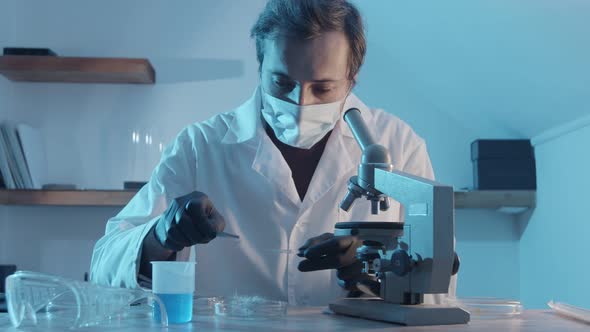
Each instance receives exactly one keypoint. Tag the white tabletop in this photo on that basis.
(312, 319)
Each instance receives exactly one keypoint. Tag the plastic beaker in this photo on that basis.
(174, 284)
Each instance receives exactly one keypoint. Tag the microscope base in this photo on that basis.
(412, 315)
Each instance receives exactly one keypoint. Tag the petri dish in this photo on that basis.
(205, 306)
(250, 307)
(488, 307)
(570, 311)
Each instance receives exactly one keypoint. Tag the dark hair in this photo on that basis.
(308, 19)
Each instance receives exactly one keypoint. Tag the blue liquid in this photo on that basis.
(179, 308)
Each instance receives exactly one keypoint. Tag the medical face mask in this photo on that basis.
(297, 125)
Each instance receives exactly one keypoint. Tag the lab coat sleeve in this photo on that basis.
(116, 254)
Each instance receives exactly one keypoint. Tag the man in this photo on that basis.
(272, 171)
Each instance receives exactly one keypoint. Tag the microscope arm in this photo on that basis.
(374, 156)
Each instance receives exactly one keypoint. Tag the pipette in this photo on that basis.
(224, 234)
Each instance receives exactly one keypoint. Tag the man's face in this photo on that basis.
(307, 72)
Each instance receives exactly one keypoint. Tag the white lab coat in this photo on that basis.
(231, 159)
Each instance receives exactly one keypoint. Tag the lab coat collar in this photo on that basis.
(247, 122)
(341, 154)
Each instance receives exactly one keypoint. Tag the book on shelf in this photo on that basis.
(23, 163)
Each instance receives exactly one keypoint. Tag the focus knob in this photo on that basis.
(401, 262)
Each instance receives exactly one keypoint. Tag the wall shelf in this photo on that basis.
(492, 199)
(29, 68)
(509, 200)
(66, 197)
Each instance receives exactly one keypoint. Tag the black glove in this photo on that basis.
(328, 252)
(189, 220)
(334, 252)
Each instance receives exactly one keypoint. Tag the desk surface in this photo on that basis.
(312, 319)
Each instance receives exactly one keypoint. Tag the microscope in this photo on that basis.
(405, 259)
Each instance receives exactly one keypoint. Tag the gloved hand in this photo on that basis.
(189, 220)
(334, 252)
(328, 252)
